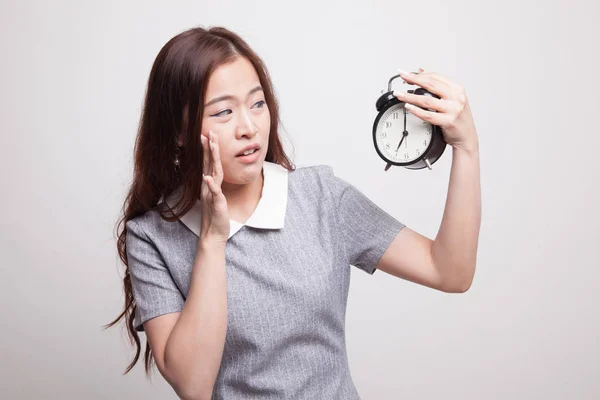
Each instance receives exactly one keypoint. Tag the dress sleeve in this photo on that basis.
(154, 290)
(365, 229)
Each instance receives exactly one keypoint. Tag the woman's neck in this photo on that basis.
(242, 200)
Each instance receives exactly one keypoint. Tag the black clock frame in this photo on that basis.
(436, 146)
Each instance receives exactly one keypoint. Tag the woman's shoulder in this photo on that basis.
(312, 182)
(151, 222)
(318, 177)
(311, 168)
(314, 173)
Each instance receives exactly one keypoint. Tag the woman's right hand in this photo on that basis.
(214, 214)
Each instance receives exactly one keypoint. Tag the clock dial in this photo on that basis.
(389, 133)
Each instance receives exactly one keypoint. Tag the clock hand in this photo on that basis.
(401, 140)
(404, 109)
(405, 133)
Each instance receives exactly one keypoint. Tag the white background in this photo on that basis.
(73, 76)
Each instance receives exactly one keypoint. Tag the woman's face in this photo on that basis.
(236, 111)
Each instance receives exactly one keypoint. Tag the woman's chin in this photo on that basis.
(242, 174)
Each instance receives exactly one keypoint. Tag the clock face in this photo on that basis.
(389, 133)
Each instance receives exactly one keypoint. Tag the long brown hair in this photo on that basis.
(174, 106)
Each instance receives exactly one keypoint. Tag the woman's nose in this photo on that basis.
(246, 125)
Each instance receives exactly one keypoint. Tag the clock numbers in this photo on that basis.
(390, 134)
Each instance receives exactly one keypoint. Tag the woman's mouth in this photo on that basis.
(248, 157)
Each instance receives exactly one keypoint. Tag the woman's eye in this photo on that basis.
(220, 114)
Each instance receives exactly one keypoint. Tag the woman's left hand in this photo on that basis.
(453, 114)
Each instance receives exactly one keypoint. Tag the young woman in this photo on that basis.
(237, 262)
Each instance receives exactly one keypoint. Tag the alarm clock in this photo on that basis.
(403, 139)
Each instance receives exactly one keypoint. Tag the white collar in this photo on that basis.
(269, 213)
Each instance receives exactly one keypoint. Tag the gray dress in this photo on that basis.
(288, 273)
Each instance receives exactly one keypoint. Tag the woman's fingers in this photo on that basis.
(205, 156)
(213, 186)
(209, 183)
(212, 169)
(426, 102)
(204, 189)
(211, 150)
(217, 166)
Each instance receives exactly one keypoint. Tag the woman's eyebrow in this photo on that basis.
(229, 97)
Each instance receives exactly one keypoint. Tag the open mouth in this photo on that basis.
(247, 153)
(249, 157)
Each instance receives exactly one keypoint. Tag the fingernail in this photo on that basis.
(409, 106)
(398, 94)
(402, 72)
